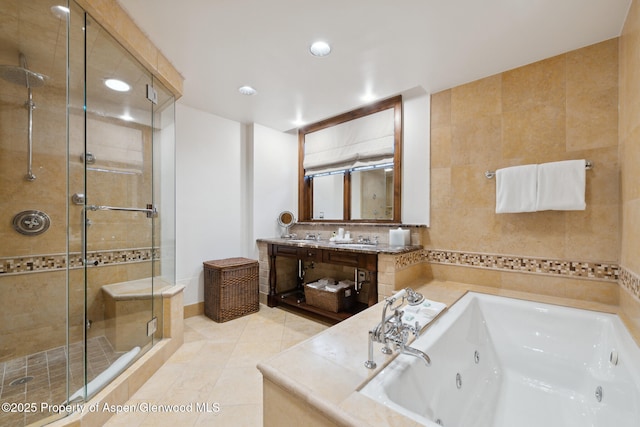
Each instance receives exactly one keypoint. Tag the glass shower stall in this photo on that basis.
(86, 208)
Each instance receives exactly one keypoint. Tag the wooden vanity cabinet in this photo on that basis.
(358, 260)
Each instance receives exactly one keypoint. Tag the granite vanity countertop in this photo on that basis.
(327, 370)
(351, 247)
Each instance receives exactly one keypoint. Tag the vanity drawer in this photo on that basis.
(351, 259)
(310, 254)
(286, 251)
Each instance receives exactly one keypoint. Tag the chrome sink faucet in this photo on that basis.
(367, 240)
(392, 330)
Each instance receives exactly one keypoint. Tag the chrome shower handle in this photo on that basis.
(150, 210)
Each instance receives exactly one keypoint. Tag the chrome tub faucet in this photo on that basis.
(393, 331)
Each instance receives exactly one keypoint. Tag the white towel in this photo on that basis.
(516, 189)
(316, 285)
(561, 186)
(346, 284)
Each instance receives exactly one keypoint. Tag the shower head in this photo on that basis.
(22, 75)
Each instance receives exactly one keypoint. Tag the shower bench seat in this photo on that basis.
(127, 309)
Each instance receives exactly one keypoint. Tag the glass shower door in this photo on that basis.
(116, 209)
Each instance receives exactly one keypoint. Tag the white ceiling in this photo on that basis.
(383, 47)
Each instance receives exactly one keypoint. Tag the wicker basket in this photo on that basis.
(230, 288)
(341, 300)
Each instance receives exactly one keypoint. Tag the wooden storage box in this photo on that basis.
(342, 300)
(230, 288)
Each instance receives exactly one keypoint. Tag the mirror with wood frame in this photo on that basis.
(349, 166)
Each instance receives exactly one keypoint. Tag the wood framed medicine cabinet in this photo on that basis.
(351, 186)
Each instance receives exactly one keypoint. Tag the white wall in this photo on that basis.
(208, 195)
(275, 181)
(164, 153)
(232, 181)
(416, 159)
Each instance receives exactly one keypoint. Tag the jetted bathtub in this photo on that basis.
(502, 362)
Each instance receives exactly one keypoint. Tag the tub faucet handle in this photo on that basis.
(415, 329)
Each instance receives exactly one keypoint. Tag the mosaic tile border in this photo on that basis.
(575, 269)
(630, 281)
(57, 262)
(410, 258)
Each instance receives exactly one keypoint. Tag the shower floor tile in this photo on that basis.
(42, 377)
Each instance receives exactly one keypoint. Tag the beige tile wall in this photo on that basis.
(629, 152)
(33, 306)
(561, 108)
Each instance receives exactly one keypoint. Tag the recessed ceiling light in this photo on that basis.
(247, 90)
(60, 11)
(368, 97)
(320, 48)
(117, 85)
(127, 117)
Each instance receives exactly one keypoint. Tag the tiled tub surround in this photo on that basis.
(315, 383)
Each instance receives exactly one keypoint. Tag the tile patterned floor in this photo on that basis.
(42, 377)
(216, 368)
